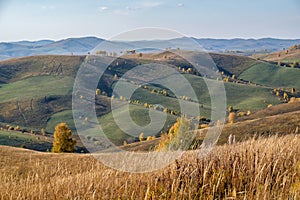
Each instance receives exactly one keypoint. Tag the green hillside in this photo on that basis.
(34, 87)
(111, 130)
(62, 116)
(20, 68)
(17, 139)
(272, 75)
(233, 64)
(240, 96)
(36, 91)
(139, 116)
(230, 64)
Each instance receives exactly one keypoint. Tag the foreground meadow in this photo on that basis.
(267, 168)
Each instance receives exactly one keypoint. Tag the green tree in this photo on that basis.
(62, 139)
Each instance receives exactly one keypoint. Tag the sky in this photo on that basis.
(59, 19)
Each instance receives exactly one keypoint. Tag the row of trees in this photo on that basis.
(284, 94)
(291, 65)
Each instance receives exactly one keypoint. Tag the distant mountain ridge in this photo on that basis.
(84, 45)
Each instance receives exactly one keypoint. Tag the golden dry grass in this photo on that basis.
(257, 169)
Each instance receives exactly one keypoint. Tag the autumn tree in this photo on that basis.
(98, 91)
(43, 132)
(285, 96)
(231, 117)
(293, 90)
(178, 137)
(115, 77)
(141, 137)
(164, 92)
(62, 139)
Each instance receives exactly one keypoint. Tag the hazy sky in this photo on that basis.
(57, 19)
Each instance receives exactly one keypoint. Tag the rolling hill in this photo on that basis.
(272, 75)
(79, 46)
(278, 120)
(35, 91)
(283, 56)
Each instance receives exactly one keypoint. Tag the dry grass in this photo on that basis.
(256, 169)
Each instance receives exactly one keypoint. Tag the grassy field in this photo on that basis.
(263, 164)
(231, 64)
(280, 120)
(31, 79)
(17, 139)
(244, 97)
(257, 169)
(50, 65)
(139, 116)
(34, 87)
(273, 76)
(65, 116)
(243, 130)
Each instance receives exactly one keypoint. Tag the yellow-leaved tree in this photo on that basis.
(179, 136)
(62, 139)
(231, 117)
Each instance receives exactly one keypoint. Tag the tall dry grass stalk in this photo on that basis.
(257, 169)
